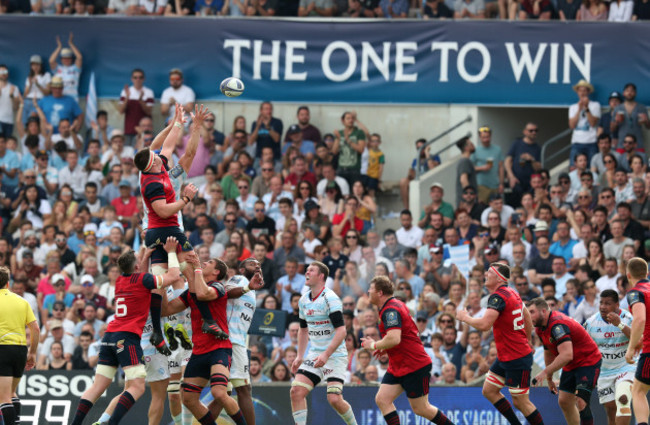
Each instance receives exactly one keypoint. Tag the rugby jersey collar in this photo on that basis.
(316, 297)
(387, 301)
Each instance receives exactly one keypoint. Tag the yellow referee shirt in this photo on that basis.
(15, 314)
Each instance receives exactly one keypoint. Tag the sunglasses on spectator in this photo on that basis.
(138, 77)
(209, 120)
(532, 130)
(58, 309)
(242, 187)
(484, 130)
(348, 303)
(421, 320)
(267, 169)
(447, 321)
(59, 240)
(87, 284)
(259, 209)
(230, 221)
(351, 237)
(89, 233)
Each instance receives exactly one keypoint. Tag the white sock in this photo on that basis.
(187, 416)
(300, 417)
(178, 419)
(348, 417)
(105, 417)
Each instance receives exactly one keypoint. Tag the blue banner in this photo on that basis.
(475, 62)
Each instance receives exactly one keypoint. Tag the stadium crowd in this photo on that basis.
(565, 10)
(70, 205)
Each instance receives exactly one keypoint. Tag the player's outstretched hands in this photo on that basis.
(193, 260)
(257, 281)
(296, 364)
(613, 318)
(190, 191)
(462, 315)
(321, 360)
(367, 343)
(198, 116)
(171, 244)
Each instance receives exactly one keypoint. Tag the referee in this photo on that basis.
(15, 314)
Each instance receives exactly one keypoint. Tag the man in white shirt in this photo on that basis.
(608, 280)
(73, 175)
(329, 175)
(117, 151)
(176, 93)
(136, 102)
(580, 249)
(375, 241)
(67, 134)
(583, 119)
(409, 235)
(560, 275)
(496, 204)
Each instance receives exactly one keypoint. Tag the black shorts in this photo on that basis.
(200, 365)
(158, 236)
(516, 373)
(415, 384)
(580, 379)
(120, 349)
(643, 369)
(13, 359)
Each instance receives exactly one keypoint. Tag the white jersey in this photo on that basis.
(316, 313)
(147, 348)
(177, 176)
(239, 311)
(611, 342)
(184, 317)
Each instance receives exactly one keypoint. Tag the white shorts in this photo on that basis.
(157, 367)
(335, 367)
(178, 360)
(607, 386)
(239, 365)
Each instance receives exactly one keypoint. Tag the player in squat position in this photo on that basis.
(321, 322)
(121, 342)
(512, 328)
(638, 298)
(567, 346)
(409, 366)
(210, 360)
(610, 329)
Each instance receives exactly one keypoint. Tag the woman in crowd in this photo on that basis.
(31, 208)
(352, 345)
(57, 361)
(466, 229)
(210, 173)
(266, 240)
(58, 218)
(37, 86)
(411, 302)
(314, 216)
(287, 161)
(611, 164)
(239, 123)
(572, 298)
(280, 373)
(367, 205)
(527, 210)
(576, 219)
(592, 10)
(348, 281)
(363, 359)
(245, 199)
(628, 252)
(352, 245)
(216, 204)
(237, 237)
(638, 168)
(495, 231)
(303, 192)
(595, 256)
(75, 270)
(332, 202)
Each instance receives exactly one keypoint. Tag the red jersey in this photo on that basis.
(509, 328)
(203, 342)
(155, 186)
(561, 328)
(131, 311)
(641, 294)
(338, 219)
(293, 179)
(409, 355)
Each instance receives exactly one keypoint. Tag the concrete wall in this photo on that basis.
(398, 125)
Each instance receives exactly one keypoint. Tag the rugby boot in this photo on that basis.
(212, 328)
(169, 331)
(158, 341)
(183, 337)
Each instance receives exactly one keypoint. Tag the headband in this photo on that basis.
(152, 156)
(502, 277)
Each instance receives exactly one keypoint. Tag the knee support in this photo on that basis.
(191, 388)
(174, 387)
(335, 388)
(236, 383)
(518, 391)
(623, 398)
(107, 371)
(302, 384)
(219, 379)
(585, 415)
(135, 372)
(585, 395)
(496, 380)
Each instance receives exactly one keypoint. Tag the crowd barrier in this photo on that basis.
(346, 61)
(51, 397)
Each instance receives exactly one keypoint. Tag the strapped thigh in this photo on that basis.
(191, 388)
(218, 379)
(496, 380)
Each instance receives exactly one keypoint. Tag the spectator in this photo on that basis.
(393, 9)
(583, 119)
(597, 163)
(473, 9)
(434, 9)
(256, 371)
(621, 11)
(488, 164)
(73, 175)
(523, 159)
(123, 7)
(589, 305)
(541, 264)
(454, 350)
(177, 92)
(614, 247)
(640, 206)
(9, 100)
(535, 9)
(136, 102)
(271, 199)
(126, 204)
(630, 115)
(437, 193)
(262, 8)
(55, 360)
(348, 219)
(630, 146)
(80, 358)
(9, 163)
(69, 70)
(631, 228)
(299, 174)
(497, 205)
(288, 249)
(267, 130)
(184, 8)
(349, 144)
(423, 162)
(604, 126)
(592, 10)
(563, 247)
(54, 332)
(568, 10)
(641, 11)
(58, 106)
(211, 8)
(291, 282)
(112, 190)
(610, 278)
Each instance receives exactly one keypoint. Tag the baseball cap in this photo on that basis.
(55, 324)
(176, 71)
(495, 196)
(491, 249)
(28, 253)
(116, 133)
(616, 95)
(421, 315)
(313, 227)
(41, 154)
(540, 226)
(35, 59)
(437, 184)
(56, 81)
(564, 176)
(115, 248)
(294, 129)
(29, 233)
(66, 53)
(125, 183)
(433, 297)
(310, 205)
(57, 277)
(87, 280)
(435, 248)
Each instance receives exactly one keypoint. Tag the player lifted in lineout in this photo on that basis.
(211, 357)
(159, 198)
(610, 329)
(121, 342)
(409, 366)
(512, 327)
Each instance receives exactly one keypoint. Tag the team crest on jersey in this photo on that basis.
(120, 346)
(392, 319)
(310, 312)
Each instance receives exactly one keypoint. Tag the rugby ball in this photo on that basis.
(232, 87)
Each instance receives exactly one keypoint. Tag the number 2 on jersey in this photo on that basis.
(518, 321)
(120, 308)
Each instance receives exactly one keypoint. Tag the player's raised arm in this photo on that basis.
(480, 323)
(160, 138)
(175, 133)
(173, 269)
